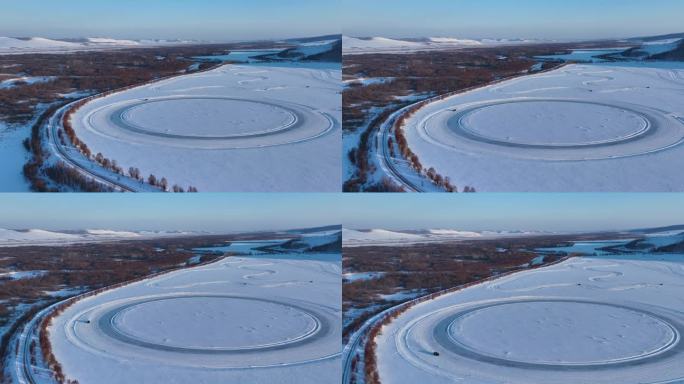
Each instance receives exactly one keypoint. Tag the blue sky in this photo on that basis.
(256, 211)
(221, 20)
(204, 211)
(553, 19)
(526, 211)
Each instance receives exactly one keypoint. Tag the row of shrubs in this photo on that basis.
(401, 142)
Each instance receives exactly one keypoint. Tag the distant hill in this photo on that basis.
(658, 37)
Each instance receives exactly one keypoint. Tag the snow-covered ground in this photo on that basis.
(14, 156)
(384, 237)
(583, 127)
(40, 237)
(256, 318)
(257, 127)
(612, 318)
(11, 45)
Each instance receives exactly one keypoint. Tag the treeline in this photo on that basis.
(62, 174)
(59, 173)
(359, 157)
(34, 146)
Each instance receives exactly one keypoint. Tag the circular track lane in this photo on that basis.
(447, 129)
(305, 124)
(94, 329)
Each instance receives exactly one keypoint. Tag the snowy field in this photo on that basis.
(597, 319)
(255, 318)
(258, 127)
(589, 127)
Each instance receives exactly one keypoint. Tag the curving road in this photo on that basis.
(23, 367)
(387, 163)
(76, 160)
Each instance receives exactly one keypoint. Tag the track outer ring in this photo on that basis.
(287, 136)
(462, 130)
(118, 118)
(274, 356)
(442, 329)
(438, 135)
(106, 323)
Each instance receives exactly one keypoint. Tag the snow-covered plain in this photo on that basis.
(255, 318)
(257, 127)
(612, 318)
(588, 127)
